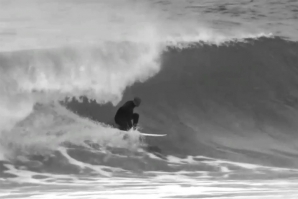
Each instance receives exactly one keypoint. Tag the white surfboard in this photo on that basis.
(144, 134)
(153, 135)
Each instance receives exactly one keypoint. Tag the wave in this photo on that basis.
(236, 101)
(223, 89)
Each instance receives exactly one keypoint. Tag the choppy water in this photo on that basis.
(219, 77)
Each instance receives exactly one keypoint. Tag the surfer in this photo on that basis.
(125, 118)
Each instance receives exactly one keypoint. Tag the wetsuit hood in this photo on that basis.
(137, 101)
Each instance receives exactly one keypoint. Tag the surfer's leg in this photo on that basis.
(122, 125)
(135, 119)
(123, 128)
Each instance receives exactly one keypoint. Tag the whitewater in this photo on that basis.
(219, 77)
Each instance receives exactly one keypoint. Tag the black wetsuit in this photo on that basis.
(125, 117)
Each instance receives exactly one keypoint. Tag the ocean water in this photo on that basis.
(219, 77)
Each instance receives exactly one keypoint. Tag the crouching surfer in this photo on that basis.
(125, 118)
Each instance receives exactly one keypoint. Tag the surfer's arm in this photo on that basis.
(125, 112)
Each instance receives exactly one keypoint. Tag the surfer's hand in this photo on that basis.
(134, 127)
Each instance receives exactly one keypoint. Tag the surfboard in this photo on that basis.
(112, 124)
(153, 135)
(146, 134)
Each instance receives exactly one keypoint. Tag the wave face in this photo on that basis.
(240, 98)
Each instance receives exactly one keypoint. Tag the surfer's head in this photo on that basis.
(137, 101)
